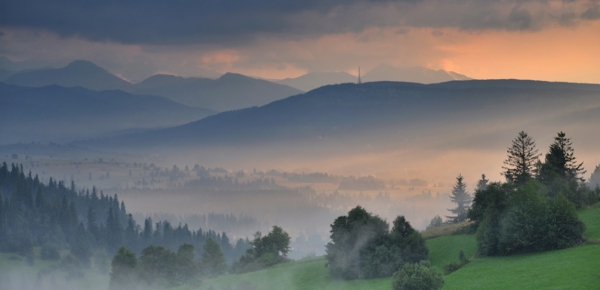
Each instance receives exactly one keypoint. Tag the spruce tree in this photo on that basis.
(561, 160)
(522, 157)
(462, 199)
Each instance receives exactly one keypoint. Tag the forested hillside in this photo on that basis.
(54, 216)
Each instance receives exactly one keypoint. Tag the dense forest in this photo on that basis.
(56, 217)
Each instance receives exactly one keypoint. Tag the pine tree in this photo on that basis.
(561, 160)
(92, 224)
(522, 157)
(462, 199)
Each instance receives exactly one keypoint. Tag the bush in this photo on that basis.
(530, 222)
(417, 276)
(266, 251)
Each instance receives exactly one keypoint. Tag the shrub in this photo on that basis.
(417, 276)
(530, 222)
(266, 251)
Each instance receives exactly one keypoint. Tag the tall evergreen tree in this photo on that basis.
(522, 157)
(462, 199)
(92, 224)
(561, 159)
(80, 246)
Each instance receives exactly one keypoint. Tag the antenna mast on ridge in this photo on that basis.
(359, 82)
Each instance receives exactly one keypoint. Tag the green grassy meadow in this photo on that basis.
(573, 268)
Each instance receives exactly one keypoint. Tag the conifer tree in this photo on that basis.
(522, 157)
(462, 199)
(561, 160)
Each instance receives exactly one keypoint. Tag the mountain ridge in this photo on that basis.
(55, 113)
(338, 111)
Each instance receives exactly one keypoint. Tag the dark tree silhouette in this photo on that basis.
(482, 184)
(561, 160)
(462, 199)
(522, 157)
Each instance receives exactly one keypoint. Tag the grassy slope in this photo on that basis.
(444, 250)
(574, 268)
(305, 274)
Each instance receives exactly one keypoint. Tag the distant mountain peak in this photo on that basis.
(233, 76)
(416, 74)
(84, 65)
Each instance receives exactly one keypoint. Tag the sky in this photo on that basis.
(483, 39)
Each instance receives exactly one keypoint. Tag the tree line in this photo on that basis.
(535, 209)
(54, 217)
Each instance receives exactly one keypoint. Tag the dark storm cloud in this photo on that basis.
(230, 21)
(160, 21)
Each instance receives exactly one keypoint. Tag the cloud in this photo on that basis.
(591, 13)
(239, 22)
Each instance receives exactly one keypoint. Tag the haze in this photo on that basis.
(219, 119)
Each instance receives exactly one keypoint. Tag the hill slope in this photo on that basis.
(229, 92)
(78, 73)
(380, 111)
(421, 75)
(311, 81)
(573, 268)
(56, 113)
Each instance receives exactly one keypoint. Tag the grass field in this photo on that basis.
(297, 275)
(591, 218)
(574, 268)
(444, 250)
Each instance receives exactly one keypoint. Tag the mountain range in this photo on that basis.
(58, 114)
(383, 72)
(386, 113)
(228, 92)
